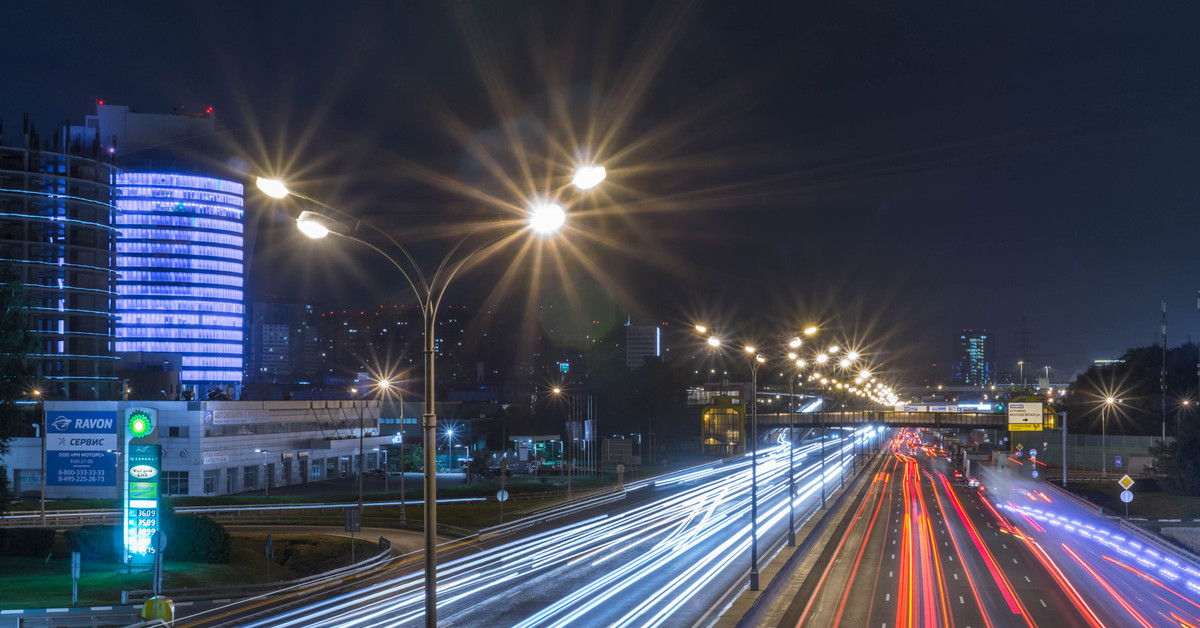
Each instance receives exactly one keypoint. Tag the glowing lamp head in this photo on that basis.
(546, 217)
(822, 358)
(750, 349)
(713, 341)
(701, 329)
(385, 384)
(844, 363)
(557, 390)
(795, 343)
(1109, 400)
(810, 330)
(588, 177)
(759, 359)
(272, 187)
(312, 228)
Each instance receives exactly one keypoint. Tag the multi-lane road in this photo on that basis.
(923, 549)
(671, 551)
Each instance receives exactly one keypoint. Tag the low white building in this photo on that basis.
(209, 447)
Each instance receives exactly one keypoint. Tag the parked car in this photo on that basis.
(378, 474)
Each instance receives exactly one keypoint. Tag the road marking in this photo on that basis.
(891, 574)
(956, 576)
(1043, 602)
(1027, 579)
(893, 541)
(961, 600)
(1004, 546)
(893, 557)
(949, 556)
(1015, 561)
(887, 598)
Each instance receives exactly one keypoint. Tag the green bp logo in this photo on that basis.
(141, 423)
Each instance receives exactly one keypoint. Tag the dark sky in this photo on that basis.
(905, 171)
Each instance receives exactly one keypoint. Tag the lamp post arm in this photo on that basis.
(421, 290)
(358, 222)
(449, 268)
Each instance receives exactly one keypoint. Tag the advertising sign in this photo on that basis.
(236, 417)
(79, 448)
(1024, 417)
(141, 503)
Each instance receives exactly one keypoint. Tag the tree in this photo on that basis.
(14, 349)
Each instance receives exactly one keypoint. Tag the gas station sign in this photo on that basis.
(142, 503)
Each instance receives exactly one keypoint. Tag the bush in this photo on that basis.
(30, 541)
(101, 542)
(196, 539)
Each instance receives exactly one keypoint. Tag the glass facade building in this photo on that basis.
(179, 257)
(56, 229)
(974, 358)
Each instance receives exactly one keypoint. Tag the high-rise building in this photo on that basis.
(974, 358)
(56, 228)
(283, 343)
(180, 244)
(641, 342)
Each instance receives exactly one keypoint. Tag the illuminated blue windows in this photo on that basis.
(180, 272)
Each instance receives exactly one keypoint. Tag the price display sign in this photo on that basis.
(142, 473)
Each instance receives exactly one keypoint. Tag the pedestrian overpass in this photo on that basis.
(890, 418)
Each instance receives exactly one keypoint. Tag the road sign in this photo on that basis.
(1033, 453)
(1126, 496)
(1035, 474)
(1118, 462)
(502, 495)
(353, 519)
(1018, 453)
(1020, 447)
(1125, 482)
(1024, 417)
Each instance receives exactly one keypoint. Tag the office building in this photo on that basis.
(57, 230)
(180, 243)
(974, 358)
(641, 342)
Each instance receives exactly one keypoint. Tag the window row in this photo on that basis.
(177, 305)
(141, 276)
(162, 248)
(138, 210)
(134, 290)
(149, 262)
(211, 362)
(128, 346)
(186, 222)
(204, 237)
(148, 318)
(165, 179)
(175, 333)
(210, 376)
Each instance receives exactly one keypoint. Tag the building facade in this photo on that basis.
(57, 229)
(208, 447)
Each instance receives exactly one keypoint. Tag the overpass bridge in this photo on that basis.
(890, 418)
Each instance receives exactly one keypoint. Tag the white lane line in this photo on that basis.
(1015, 562)
(956, 576)
(1043, 602)
(887, 598)
(1027, 579)
(961, 600)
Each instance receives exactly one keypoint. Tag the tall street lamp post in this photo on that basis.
(1104, 410)
(755, 362)
(545, 218)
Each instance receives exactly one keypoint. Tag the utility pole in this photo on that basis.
(1163, 374)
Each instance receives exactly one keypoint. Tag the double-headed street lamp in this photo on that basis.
(544, 218)
(266, 477)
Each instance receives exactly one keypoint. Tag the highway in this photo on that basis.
(924, 550)
(667, 551)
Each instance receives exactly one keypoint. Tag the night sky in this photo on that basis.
(901, 171)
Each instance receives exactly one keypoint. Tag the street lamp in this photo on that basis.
(266, 480)
(544, 218)
(756, 361)
(1109, 401)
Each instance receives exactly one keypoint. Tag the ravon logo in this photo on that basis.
(143, 472)
(61, 423)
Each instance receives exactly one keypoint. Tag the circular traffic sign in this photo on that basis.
(1032, 453)
(1035, 474)
(502, 495)
(1126, 496)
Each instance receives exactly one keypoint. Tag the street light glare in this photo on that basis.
(853, 355)
(588, 177)
(810, 330)
(795, 343)
(385, 383)
(713, 341)
(751, 350)
(701, 329)
(311, 228)
(546, 217)
(272, 187)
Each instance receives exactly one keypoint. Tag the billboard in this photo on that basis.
(80, 448)
(1024, 417)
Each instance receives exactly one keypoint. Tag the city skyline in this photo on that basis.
(1074, 219)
